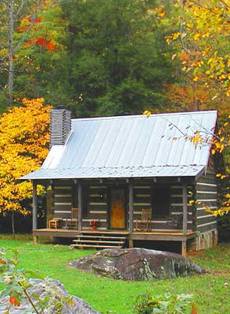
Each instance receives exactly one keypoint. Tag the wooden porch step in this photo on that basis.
(95, 246)
(97, 241)
(101, 236)
(108, 232)
(100, 241)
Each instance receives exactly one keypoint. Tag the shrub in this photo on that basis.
(163, 304)
(18, 282)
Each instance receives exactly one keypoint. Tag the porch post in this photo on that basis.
(185, 209)
(35, 209)
(80, 203)
(35, 205)
(185, 219)
(130, 213)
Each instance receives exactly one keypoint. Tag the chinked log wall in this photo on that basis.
(65, 197)
(97, 207)
(206, 196)
(63, 200)
(142, 199)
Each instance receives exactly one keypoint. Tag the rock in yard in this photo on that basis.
(137, 264)
(41, 288)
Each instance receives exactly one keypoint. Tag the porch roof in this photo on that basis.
(132, 146)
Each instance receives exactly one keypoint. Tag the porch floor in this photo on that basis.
(162, 235)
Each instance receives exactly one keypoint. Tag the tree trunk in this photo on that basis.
(13, 224)
(10, 51)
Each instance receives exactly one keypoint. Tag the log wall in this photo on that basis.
(65, 197)
(97, 207)
(206, 196)
(142, 199)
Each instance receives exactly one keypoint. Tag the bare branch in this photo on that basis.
(20, 8)
(175, 126)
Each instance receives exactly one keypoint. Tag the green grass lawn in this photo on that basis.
(211, 291)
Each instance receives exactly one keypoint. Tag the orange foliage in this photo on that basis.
(194, 309)
(14, 301)
(41, 42)
(35, 20)
(44, 43)
(24, 138)
(187, 98)
(27, 22)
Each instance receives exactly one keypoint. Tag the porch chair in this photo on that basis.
(55, 223)
(145, 222)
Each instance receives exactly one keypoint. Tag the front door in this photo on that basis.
(117, 214)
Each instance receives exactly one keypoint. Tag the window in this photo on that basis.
(160, 201)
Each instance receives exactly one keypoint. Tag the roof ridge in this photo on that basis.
(142, 115)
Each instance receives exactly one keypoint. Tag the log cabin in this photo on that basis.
(131, 180)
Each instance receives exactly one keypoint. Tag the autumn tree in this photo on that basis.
(24, 137)
(11, 13)
(203, 50)
(31, 52)
(41, 60)
(201, 44)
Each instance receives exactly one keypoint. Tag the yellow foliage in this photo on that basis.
(197, 138)
(196, 36)
(196, 78)
(204, 33)
(219, 212)
(158, 12)
(24, 138)
(147, 113)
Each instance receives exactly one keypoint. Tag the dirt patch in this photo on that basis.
(219, 272)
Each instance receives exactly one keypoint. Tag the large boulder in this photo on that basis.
(137, 264)
(41, 288)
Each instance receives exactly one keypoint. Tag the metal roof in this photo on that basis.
(132, 146)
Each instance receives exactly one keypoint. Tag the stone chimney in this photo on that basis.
(60, 126)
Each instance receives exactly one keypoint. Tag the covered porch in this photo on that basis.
(108, 208)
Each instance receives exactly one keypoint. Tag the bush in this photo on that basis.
(17, 283)
(165, 304)
(224, 228)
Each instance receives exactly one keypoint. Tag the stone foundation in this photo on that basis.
(206, 240)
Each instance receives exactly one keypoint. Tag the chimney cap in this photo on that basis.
(60, 107)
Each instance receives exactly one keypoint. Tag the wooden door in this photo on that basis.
(117, 214)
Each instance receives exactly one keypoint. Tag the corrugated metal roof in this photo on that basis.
(132, 146)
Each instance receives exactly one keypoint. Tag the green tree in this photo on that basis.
(118, 57)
